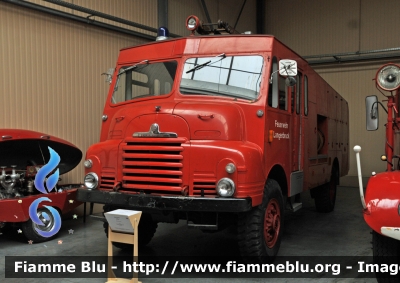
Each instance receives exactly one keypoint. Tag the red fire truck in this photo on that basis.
(217, 130)
(381, 203)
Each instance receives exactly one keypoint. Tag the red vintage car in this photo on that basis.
(22, 154)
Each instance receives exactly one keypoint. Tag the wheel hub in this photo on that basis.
(47, 220)
(272, 223)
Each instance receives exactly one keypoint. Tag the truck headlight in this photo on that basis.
(225, 187)
(230, 168)
(91, 181)
(88, 163)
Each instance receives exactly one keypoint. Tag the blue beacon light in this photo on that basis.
(162, 33)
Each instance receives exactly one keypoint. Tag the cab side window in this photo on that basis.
(305, 85)
(295, 94)
(298, 92)
(278, 92)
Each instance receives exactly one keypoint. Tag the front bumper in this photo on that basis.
(170, 203)
(392, 232)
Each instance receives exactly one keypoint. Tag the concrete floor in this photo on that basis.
(307, 233)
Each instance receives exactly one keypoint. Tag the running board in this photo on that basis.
(296, 206)
(294, 203)
(203, 226)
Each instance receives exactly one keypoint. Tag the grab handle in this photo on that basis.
(357, 150)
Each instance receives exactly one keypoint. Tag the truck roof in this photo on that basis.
(214, 44)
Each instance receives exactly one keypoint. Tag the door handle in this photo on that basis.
(206, 117)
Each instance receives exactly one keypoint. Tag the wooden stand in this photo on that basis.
(126, 239)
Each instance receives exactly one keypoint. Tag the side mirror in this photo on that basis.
(290, 81)
(372, 118)
(109, 74)
(287, 68)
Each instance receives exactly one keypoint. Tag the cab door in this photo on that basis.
(296, 123)
(278, 148)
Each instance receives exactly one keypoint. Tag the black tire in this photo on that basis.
(28, 227)
(325, 195)
(260, 230)
(385, 252)
(6, 229)
(147, 229)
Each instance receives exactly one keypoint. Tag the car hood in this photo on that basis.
(24, 148)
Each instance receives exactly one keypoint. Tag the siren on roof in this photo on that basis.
(162, 33)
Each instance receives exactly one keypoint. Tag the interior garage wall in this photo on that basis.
(50, 74)
(314, 27)
(143, 12)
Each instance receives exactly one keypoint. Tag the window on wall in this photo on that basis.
(278, 92)
(305, 95)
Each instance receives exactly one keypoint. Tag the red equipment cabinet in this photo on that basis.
(23, 153)
(381, 203)
(215, 130)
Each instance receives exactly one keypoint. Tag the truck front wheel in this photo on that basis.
(260, 230)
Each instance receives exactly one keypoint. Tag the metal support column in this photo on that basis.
(203, 3)
(162, 13)
(260, 16)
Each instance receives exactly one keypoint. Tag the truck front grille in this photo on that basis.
(152, 165)
(204, 188)
(107, 179)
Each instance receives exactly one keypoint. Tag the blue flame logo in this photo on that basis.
(33, 209)
(51, 182)
(45, 170)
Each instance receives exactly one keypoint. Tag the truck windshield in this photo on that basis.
(233, 76)
(144, 80)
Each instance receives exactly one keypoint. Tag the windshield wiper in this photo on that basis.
(198, 67)
(132, 67)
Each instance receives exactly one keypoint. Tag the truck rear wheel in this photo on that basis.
(385, 251)
(260, 230)
(325, 195)
(147, 229)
